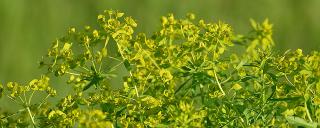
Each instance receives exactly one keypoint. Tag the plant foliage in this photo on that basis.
(190, 73)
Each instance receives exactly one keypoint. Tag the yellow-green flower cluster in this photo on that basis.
(187, 74)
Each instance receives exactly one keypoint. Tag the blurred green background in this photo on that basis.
(27, 27)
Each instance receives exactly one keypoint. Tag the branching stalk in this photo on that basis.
(31, 117)
(42, 102)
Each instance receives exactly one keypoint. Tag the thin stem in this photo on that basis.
(153, 61)
(104, 47)
(305, 102)
(94, 65)
(43, 101)
(264, 105)
(263, 87)
(120, 50)
(100, 66)
(184, 83)
(30, 97)
(85, 68)
(24, 96)
(135, 87)
(307, 111)
(115, 67)
(285, 75)
(32, 118)
(230, 122)
(226, 80)
(114, 58)
(14, 100)
(216, 77)
(71, 73)
(21, 110)
(92, 61)
(78, 71)
(144, 83)
(55, 61)
(22, 101)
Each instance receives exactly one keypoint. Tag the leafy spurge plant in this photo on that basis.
(187, 74)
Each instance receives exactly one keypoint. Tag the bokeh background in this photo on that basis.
(27, 27)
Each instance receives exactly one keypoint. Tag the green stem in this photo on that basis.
(32, 118)
(135, 87)
(226, 80)
(29, 102)
(104, 47)
(184, 83)
(216, 77)
(152, 60)
(71, 73)
(307, 111)
(22, 101)
(85, 68)
(21, 110)
(285, 75)
(115, 67)
(114, 58)
(14, 100)
(263, 87)
(42, 102)
(305, 102)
